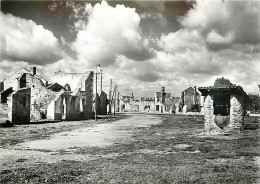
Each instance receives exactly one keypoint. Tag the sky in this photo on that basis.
(140, 45)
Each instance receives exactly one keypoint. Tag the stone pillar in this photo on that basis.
(236, 114)
(209, 116)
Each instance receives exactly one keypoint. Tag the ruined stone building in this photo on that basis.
(127, 104)
(146, 104)
(163, 102)
(76, 103)
(190, 100)
(19, 93)
(224, 108)
(26, 97)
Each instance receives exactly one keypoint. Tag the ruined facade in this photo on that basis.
(146, 104)
(77, 101)
(224, 108)
(163, 102)
(190, 100)
(126, 103)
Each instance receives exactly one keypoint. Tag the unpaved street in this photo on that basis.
(100, 135)
(138, 148)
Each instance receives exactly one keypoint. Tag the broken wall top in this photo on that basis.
(76, 81)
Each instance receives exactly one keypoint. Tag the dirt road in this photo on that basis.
(100, 135)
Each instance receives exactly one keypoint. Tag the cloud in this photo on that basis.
(111, 31)
(181, 41)
(24, 40)
(225, 22)
(143, 71)
(217, 38)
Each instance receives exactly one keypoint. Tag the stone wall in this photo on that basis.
(189, 99)
(20, 106)
(41, 97)
(147, 106)
(209, 116)
(103, 103)
(13, 81)
(89, 96)
(236, 113)
(4, 110)
(73, 108)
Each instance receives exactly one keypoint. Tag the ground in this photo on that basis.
(134, 148)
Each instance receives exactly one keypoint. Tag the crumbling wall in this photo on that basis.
(103, 103)
(73, 108)
(4, 110)
(209, 116)
(20, 106)
(55, 108)
(236, 113)
(147, 106)
(191, 99)
(89, 97)
(97, 106)
(41, 97)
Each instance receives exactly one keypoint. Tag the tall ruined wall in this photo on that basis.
(97, 106)
(20, 106)
(103, 103)
(73, 108)
(189, 99)
(89, 96)
(41, 97)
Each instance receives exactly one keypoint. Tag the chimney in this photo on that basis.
(163, 95)
(33, 70)
(163, 89)
(195, 95)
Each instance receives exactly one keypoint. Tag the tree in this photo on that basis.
(254, 103)
(222, 82)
